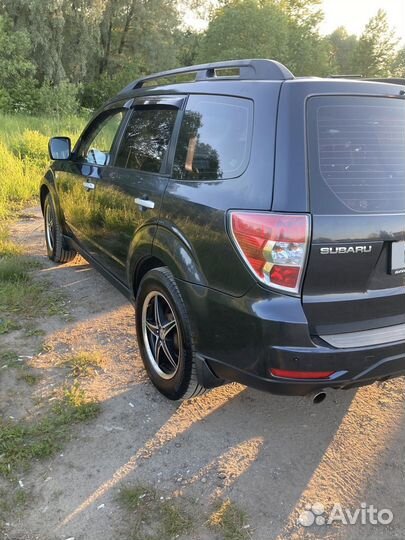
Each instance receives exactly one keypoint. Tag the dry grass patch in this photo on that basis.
(85, 364)
(151, 516)
(229, 521)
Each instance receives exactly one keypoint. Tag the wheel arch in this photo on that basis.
(43, 192)
(160, 246)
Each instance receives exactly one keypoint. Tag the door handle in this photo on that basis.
(145, 203)
(89, 185)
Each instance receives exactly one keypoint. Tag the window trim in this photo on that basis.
(177, 102)
(109, 110)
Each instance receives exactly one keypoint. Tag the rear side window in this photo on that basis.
(357, 154)
(215, 138)
(146, 139)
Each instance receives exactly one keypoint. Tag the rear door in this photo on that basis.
(356, 162)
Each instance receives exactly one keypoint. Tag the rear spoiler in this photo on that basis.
(392, 80)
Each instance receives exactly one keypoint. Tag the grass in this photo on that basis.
(7, 326)
(84, 364)
(229, 521)
(9, 359)
(23, 160)
(24, 156)
(151, 516)
(21, 295)
(29, 378)
(22, 442)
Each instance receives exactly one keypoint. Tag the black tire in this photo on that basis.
(55, 247)
(179, 383)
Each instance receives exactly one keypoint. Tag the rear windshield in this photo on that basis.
(356, 154)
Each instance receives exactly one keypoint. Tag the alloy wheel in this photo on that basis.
(49, 226)
(161, 335)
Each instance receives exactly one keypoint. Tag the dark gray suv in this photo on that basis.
(256, 221)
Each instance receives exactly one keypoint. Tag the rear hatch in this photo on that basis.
(355, 278)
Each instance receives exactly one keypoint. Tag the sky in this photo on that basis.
(353, 14)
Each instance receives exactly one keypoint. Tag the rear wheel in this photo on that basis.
(165, 337)
(54, 235)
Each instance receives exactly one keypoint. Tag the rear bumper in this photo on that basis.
(242, 339)
(383, 370)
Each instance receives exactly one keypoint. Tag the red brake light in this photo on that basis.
(274, 246)
(301, 374)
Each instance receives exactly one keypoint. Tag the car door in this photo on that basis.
(76, 179)
(128, 196)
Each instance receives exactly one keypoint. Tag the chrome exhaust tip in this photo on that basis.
(317, 397)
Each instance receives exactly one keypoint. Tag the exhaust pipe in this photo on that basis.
(317, 397)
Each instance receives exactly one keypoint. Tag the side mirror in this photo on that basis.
(60, 148)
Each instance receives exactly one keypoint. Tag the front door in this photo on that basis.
(77, 178)
(128, 196)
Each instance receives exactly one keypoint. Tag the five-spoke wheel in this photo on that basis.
(161, 335)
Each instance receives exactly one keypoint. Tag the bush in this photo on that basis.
(32, 147)
(58, 100)
(19, 181)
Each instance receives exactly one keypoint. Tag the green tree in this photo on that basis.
(246, 28)
(18, 90)
(285, 31)
(398, 69)
(376, 50)
(342, 50)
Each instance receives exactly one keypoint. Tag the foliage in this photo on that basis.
(261, 30)
(17, 83)
(399, 63)
(342, 49)
(24, 156)
(60, 55)
(60, 100)
(376, 50)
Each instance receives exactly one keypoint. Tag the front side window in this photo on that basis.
(146, 138)
(215, 138)
(97, 145)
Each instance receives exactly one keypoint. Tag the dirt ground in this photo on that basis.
(269, 455)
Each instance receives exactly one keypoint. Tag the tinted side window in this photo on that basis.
(215, 138)
(146, 139)
(98, 142)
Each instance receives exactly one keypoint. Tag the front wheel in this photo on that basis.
(54, 235)
(165, 337)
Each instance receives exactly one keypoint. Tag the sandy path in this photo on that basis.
(271, 455)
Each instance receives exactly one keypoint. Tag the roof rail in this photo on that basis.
(255, 69)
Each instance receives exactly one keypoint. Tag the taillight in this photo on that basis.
(274, 246)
